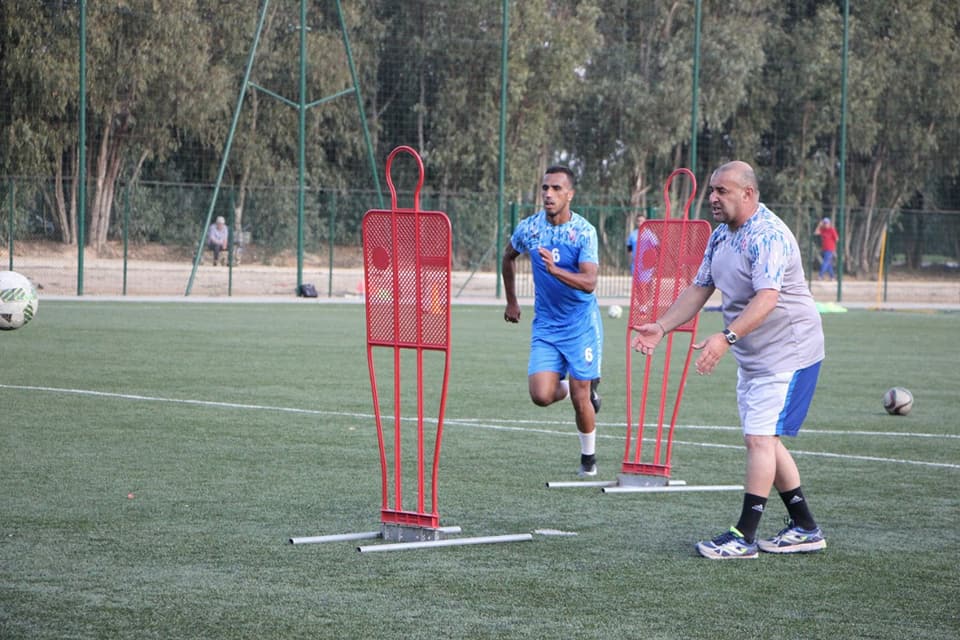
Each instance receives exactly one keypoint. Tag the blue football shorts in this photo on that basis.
(578, 354)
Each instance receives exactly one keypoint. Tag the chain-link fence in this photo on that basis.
(914, 245)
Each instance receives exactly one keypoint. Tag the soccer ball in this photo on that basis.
(898, 401)
(615, 311)
(18, 300)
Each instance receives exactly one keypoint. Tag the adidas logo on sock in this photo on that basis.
(758, 508)
(796, 499)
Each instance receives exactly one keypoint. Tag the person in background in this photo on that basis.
(644, 244)
(632, 238)
(828, 246)
(217, 236)
(567, 331)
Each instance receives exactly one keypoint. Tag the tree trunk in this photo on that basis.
(108, 165)
(136, 170)
(110, 173)
(74, 193)
(96, 204)
(638, 194)
(875, 240)
(60, 201)
(864, 249)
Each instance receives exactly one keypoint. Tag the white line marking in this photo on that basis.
(554, 532)
(480, 425)
(704, 427)
(204, 403)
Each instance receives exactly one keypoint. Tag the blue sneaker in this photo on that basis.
(793, 539)
(729, 545)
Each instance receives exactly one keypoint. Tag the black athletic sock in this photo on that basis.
(750, 516)
(797, 508)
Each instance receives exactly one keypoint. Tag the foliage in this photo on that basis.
(603, 85)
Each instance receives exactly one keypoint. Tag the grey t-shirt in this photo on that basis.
(763, 254)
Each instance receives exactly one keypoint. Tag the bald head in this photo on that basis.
(734, 194)
(740, 173)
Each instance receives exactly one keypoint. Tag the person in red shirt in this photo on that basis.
(828, 245)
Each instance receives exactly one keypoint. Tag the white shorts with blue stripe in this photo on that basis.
(775, 404)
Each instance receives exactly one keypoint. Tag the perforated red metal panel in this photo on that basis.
(666, 262)
(407, 278)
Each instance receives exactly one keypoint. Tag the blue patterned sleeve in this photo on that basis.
(769, 256)
(704, 277)
(520, 236)
(515, 240)
(589, 250)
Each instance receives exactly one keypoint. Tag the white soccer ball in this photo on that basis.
(898, 401)
(18, 300)
(615, 311)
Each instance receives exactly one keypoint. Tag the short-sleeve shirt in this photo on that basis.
(763, 254)
(216, 234)
(648, 241)
(828, 238)
(558, 309)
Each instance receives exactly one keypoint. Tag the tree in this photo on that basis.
(38, 80)
(634, 122)
(150, 75)
(901, 139)
(602, 85)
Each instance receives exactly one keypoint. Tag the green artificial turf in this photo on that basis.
(155, 458)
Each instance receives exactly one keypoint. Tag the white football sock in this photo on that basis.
(588, 443)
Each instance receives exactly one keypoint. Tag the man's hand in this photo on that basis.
(713, 348)
(585, 279)
(512, 312)
(547, 256)
(647, 338)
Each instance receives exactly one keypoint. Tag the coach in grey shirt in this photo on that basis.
(774, 331)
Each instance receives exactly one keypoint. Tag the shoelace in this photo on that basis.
(725, 537)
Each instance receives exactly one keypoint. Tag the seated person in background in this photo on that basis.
(217, 236)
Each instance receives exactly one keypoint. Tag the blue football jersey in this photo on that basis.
(558, 307)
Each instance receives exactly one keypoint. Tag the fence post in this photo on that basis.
(885, 253)
(231, 240)
(13, 186)
(126, 234)
(331, 230)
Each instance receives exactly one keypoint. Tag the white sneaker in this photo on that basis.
(729, 545)
(793, 539)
